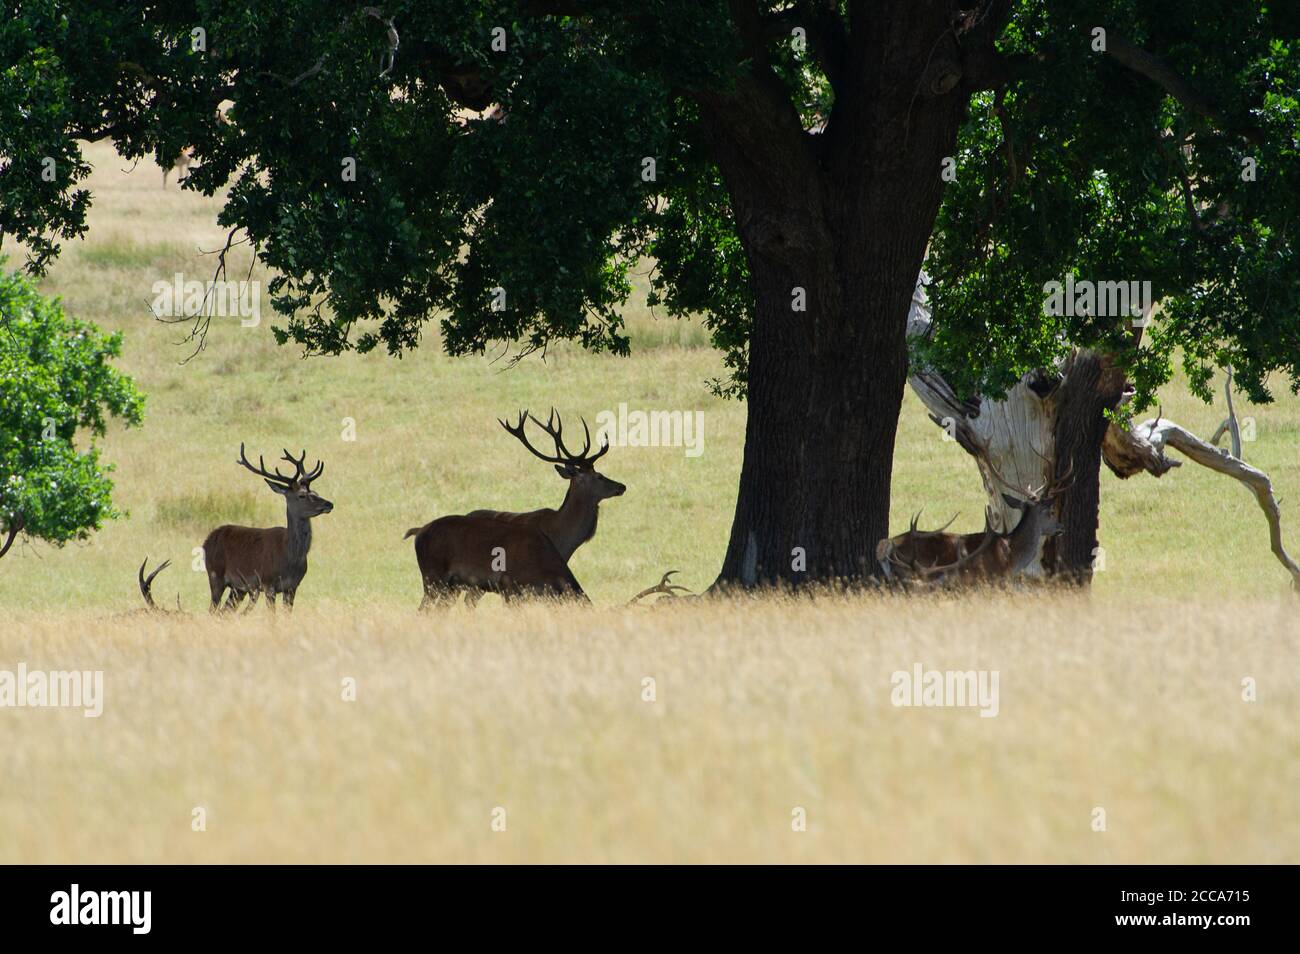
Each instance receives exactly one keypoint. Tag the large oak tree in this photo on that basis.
(790, 166)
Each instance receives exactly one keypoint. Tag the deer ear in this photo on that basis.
(278, 488)
(1015, 503)
(565, 471)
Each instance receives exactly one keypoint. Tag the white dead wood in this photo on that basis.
(1143, 449)
(1016, 434)
(1019, 433)
(1229, 424)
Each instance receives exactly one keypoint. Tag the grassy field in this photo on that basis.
(1129, 699)
(759, 709)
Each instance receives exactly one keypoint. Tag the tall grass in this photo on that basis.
(756, 709)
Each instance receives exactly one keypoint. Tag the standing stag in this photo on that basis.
(478, 555)
(575, 522)
(518, 553)
(273, 560)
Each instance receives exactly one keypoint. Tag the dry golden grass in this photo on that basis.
(760, 707)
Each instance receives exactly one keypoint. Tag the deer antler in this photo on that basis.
(931, 533)
(936, 573)
(663, 586)
(941, 574)
(298, 463)
(260, 469)
(300, 475)
(554, 428)
(146, 584)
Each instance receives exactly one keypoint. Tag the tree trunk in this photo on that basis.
(845, 216)
(1092, 387)
(825, 392)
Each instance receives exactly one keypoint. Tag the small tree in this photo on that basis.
(55, 379)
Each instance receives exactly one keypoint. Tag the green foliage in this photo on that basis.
(1078, 164)
(1082, 166)
(55, 380)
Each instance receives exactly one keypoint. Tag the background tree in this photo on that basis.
(55, 380)
(505, 164)
(1159, 147)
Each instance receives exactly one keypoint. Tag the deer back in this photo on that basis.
(248, 553)
(492, 554)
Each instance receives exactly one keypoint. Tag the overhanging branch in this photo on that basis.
(1158, 71)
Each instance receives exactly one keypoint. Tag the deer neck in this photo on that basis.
(1023, 540)
(574, 523)
(299, 540)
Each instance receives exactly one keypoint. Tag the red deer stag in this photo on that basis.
(518, 553)
(477, 555)
(941, 559)
(273, 560)
(575, 522)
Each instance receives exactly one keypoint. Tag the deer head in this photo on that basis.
(301, 501)
(578, 469)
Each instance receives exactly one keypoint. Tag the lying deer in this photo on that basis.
(273, 560)
(997, 556)
(476, 555)
(925, 547)
(939, 558)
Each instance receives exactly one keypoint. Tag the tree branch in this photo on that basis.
(1172, 82)
(827, 38)
(1145, 446)
(1167, 433)
(15, 527)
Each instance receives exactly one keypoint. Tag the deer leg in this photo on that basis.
(288, 599)
(436, 593)
(233, 600)
(217, 586)
(270, 599)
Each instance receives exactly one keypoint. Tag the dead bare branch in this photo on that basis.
(1159, 434)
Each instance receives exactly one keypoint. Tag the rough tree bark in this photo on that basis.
(845, 216)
